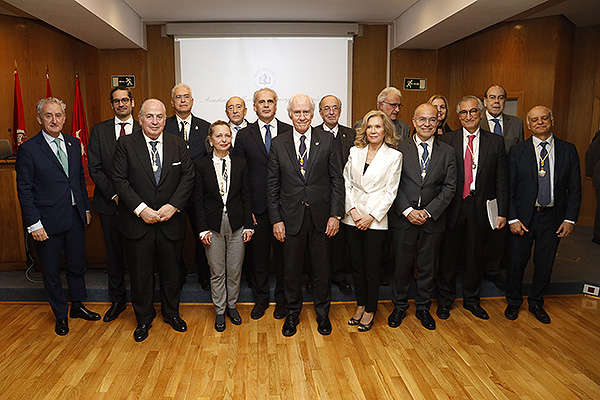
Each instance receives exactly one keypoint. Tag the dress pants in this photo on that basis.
(261, 250)
(318, 245)
(225, 255)
(115, 265)
(542, 231)
(339, 255)
(466, 231)
(408, 243)
(154, 248)
(49, 250)
(495, 251)
(366, 253)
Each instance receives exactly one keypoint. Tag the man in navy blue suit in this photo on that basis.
(55, 207)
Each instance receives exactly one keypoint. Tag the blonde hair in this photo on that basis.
(388, 127)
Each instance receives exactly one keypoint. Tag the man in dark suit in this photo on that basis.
(418, 216)
(254, 144)
(153, 176)
(55, 207)
(389, 100)
(194, 131)
(592, 169)
(545, 196)
(511, 129)
(305, 194)
(482, 176)
(103, 140)
(236, 110)
(330, 109)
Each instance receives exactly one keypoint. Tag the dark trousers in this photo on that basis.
(409, 244)
(366, 253)
(495, 251)
(597, 218)
(468, 232)
(154, 248)
(339, 255)
(542, 231)
(73, 243)
(115, 264)
(261, 250)
(317, 244)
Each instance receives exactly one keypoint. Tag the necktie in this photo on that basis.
(156, 166)
(182, 131)
(62, 157)
(497, 126)
(424, 160)
(237, 128)
(302, 159)
(468, 167)
(544, 177)
(225, 171)
(122, 128)
(268, 137)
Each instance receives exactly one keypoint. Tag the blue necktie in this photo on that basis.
(497, 126)
(544, 181)
(268, 137)
(156, 166)
(424, 160)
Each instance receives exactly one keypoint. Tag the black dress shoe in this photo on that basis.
(477, 311)
(323, 325)
(84, 313)
(344, 286)
(540, 314)
(443, 312)
(220, 323)
(258, 310)
(498, 280)
(280, 311)
(289, 326)
(396, 317)
(62, 326)
(176, 323)
(426, 319)
(511, 312)
(114, 311)
(234, 316)
(141, 332)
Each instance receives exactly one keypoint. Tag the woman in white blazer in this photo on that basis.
(371, 176)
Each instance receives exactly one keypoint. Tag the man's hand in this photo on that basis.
(254, 220)
(279, 231)
(333, 226)
(501, 222)
(88, 217)
(116, 199)
(166, 212)
(39, 235)
(150, 216)
(518, 228)
(415, 217)
(365, 222)
(206, 239)
(565, 229)
(247, 235)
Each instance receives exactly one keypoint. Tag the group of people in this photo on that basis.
(309, 194)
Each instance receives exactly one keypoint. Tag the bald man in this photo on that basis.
(235, 108)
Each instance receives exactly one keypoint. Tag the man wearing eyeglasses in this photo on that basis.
(103, 140)
(481, 176)
(389, 101)
(154, 177)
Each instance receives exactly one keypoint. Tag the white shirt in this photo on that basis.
(420, 151)
(128, 126)
(272, 129)
(475, 154)
(492, 124)
(334, 130)
(186, 128)
(159, 148)
(306, 142)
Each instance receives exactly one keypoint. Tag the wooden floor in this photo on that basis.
(464, 358)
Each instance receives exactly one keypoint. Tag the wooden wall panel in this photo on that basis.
(161, 66)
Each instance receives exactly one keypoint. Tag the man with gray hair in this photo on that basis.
(55, 208)
(305, 197)
(389, 100)
(481, 176)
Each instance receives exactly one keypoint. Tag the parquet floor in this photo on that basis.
(464, 358)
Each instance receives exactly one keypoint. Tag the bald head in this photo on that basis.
(425, 121)
(540, 122)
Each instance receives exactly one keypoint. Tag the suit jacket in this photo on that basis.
(512, 131)
(491, 181)
(524, 182)
(374, 191)
(592, 156)
(322, 186)
(101, 147)
(434, 193)
(44, 189)
(134, 181)
(208, 201)
(197, 137)
(345, 139)
(250, 145)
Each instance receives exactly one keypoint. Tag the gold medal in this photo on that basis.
(474, 166)
(154, 167)
(542, 173)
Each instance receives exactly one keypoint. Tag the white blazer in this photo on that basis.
(374, 191)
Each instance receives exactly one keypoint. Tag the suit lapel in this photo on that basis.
(558, 160)
(47, 150)
(288, 143)
(255, 133)
(73, 152)
(315, 146)
(460, 154)
(484, 147)
(141, 150)
(435, 156)
(167, 160)
(532, 165)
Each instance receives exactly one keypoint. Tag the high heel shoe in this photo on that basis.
(354, 322)
(366, 327)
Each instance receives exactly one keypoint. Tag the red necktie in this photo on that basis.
(468, 167)
(122, 128)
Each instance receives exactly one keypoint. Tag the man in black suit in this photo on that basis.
(55, 207)
(194, 131)
(330, 109)
(418, 216)
(305, 194)
(592, 169)
(482, 176)
(254, 144)
(545, 196)
(236, 110)
(103, 140)
(511, 129)
(153, 176)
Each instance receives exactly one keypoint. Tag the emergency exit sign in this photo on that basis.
(415, 84)
(123, 80)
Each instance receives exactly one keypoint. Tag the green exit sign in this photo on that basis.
(123, 80)
(415, 84)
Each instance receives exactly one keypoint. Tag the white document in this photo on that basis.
(492, 211)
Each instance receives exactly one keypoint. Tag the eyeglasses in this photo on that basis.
(473, 112)
(393, 105)
(124, 100)
(182, 96)
(423, 120)
(328, 108)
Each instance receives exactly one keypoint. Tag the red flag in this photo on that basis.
(79, 127)
(19, 135)
(48, 90)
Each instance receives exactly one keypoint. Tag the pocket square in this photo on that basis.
(176, 163)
